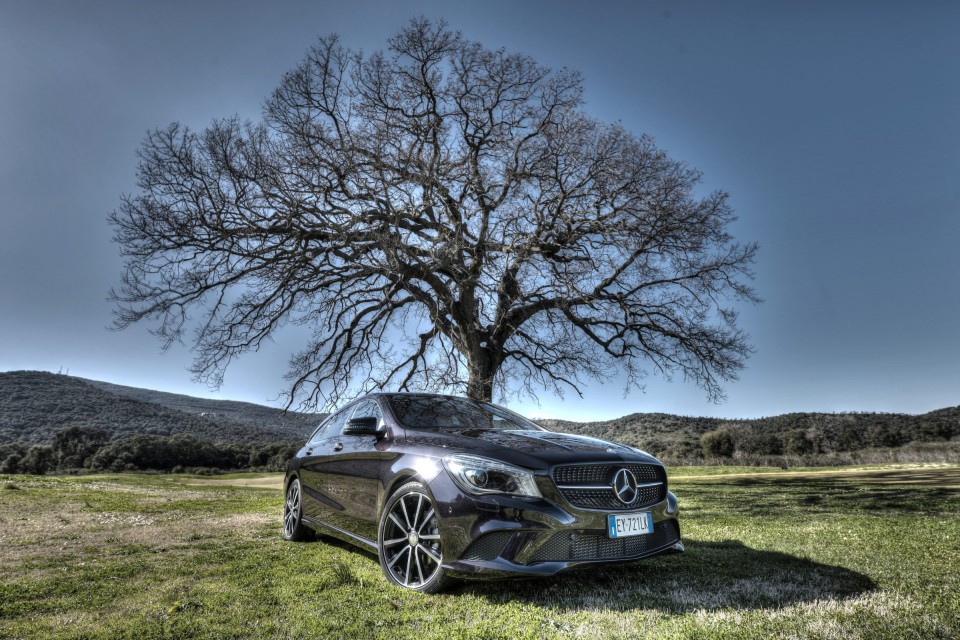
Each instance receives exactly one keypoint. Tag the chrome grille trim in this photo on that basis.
(603, 487)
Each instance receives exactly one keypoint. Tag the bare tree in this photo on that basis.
(442, 216)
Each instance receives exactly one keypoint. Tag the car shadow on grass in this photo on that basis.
(709, 576)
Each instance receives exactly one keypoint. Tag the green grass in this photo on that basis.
(831, 553)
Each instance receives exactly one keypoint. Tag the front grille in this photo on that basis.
(602, 473)
(487, 547)
(568, 546)
(569, 479)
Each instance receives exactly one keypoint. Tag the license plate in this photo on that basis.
(629, 524)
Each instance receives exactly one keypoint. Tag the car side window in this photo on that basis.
(331, 427)
(318, 432)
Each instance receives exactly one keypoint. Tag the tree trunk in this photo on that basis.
(482, 370)
(481, 390)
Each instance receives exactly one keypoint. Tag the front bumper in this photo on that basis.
(503, 536)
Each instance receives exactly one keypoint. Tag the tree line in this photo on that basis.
(675, 439)
(829, 437)
(685, 440)
(90, 448)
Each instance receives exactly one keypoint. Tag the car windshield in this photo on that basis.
(444, 412)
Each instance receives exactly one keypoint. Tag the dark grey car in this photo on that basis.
(444, 487)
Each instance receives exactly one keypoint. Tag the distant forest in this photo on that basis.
(52, 422)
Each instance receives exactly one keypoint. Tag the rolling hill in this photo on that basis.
(244, 413)
(34, 405)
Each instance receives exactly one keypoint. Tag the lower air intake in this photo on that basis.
(487, 547)
(565, 547)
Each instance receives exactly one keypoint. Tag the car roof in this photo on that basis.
(387, 394)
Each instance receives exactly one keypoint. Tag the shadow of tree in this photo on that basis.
(711, 576)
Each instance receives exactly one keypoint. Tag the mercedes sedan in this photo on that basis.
(442, 487)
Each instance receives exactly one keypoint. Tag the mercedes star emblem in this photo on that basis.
(625, 486)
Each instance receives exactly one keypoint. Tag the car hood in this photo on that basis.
(530, 449)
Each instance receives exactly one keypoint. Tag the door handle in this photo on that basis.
(338, 446)
(308, 452)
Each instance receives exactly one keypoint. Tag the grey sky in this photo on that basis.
(835, 127)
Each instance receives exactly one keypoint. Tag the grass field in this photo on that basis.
(834, 553)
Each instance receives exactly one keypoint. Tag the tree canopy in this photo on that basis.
(442, 216)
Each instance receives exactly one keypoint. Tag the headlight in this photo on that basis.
(478, 475)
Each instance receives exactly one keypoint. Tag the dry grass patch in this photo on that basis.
(71, 529)
(273, 481)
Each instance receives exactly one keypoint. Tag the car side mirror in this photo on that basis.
(368, 426)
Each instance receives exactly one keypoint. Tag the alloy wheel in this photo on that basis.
(291, 510)
(411, 540)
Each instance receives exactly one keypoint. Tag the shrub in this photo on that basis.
(10, 456)
(38, 461)
(717, 444)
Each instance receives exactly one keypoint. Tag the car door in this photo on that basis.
(347, 474)
(313, 455)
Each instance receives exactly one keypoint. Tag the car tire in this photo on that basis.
(293, 528)
(409, 543)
